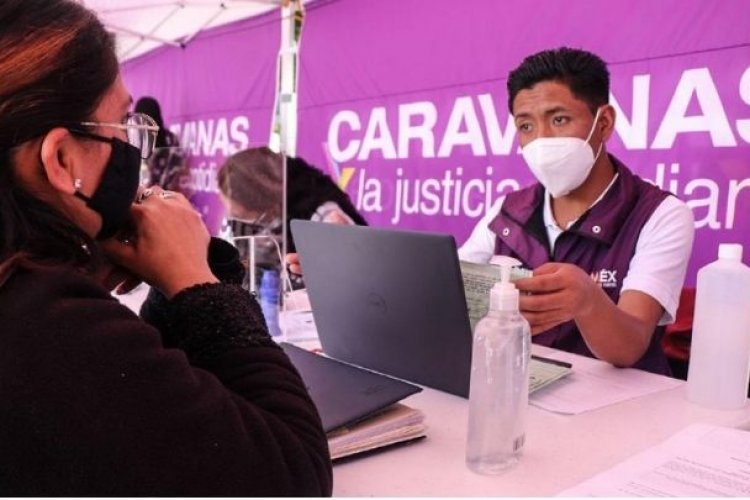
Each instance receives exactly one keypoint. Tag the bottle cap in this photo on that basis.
(730, 251)
(504, 294)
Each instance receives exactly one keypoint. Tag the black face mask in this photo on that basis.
(117, 189)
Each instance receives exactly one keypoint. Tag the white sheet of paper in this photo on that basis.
(595, 385)
(699, 461)
(298, 326)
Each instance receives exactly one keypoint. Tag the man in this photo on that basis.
(609, 251)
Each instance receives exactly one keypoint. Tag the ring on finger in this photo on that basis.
(144, 194)
(167, 194)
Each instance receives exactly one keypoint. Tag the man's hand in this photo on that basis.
(556, 293)
(617, 333)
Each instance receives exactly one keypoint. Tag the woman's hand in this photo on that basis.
(293, 263)
(169, 249)
(118, 279)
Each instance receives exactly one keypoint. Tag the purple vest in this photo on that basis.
(602, 243)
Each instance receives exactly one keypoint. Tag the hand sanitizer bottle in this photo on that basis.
(499, 389)
(720, 348)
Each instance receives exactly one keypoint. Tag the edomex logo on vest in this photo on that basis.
(606, 278)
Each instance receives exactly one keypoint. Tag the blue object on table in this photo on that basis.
(269, 300)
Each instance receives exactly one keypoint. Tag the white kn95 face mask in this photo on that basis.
(561, 164)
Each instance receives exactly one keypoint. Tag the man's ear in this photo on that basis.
(607, 120)
(58, 159)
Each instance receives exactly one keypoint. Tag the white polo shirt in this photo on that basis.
(658, 265)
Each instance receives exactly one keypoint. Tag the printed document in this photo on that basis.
(544, 371)
(478, 280)
(699, 461)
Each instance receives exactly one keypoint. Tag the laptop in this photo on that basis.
(388, 300)
(345, 394)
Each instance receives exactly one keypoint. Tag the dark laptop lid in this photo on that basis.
(392, 301)
(345, 394)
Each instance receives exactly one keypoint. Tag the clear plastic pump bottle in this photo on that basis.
(499, 390)
(720, 347)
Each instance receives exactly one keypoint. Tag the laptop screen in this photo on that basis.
(391, 301)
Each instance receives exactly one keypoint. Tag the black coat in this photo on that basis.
(96, 401)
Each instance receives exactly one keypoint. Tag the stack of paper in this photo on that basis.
(396, 424)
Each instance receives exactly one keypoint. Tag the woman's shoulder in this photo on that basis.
(60, 306)
(40, 278)
(54, 292)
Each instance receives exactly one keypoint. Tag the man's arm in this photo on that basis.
(618, 333)
(480, 246)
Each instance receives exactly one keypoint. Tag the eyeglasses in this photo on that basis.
(141, 131)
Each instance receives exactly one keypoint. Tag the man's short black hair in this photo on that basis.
(583, 72)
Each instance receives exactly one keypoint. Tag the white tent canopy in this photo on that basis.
(143, 25)
(140, 26)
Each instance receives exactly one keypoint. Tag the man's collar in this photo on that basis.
(549, 218)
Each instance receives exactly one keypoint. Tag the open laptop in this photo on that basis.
(387, 300)
(345, 394)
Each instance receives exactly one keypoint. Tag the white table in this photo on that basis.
(561, 450)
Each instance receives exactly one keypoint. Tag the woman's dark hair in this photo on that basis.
(583, 72)
(150, 106)
(57, 62)
(308, 188)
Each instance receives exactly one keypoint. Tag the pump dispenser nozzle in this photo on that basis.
(504, 294)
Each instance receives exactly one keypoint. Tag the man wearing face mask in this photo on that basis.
(609, 250)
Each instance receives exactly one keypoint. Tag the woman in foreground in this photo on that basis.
(193, 400)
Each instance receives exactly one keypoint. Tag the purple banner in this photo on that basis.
(217, 94)
(405, 103)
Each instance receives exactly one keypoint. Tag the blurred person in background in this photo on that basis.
(250, 184)
(167, 166)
